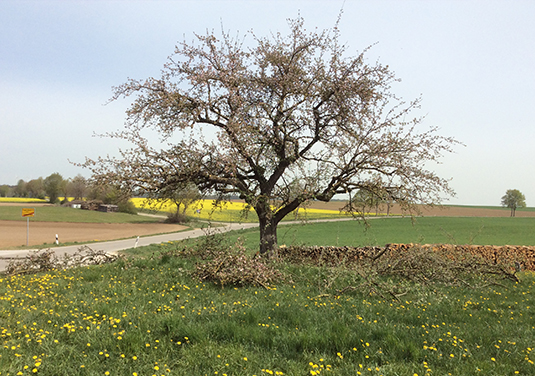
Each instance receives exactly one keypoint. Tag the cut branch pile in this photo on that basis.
(376, 268)
(46, 260)
(223, 263)
(237, 269)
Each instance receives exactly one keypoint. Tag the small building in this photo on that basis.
(107, 208)
(75, 204)
(91, 205)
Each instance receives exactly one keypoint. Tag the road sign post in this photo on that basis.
(28, 212)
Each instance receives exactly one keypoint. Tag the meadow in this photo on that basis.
(430, 230)
(149, 317)
(381, 231)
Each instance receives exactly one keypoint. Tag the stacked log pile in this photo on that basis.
(520, 257)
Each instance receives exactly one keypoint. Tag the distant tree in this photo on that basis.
(182, 197)
(288, 107)
(4, 190)
(64, 189)
(36, 188)
(20, 189)
(366, 200)
(53, 186)
(513, 199)
(77, 187)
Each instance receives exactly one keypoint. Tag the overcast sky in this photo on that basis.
(473, 63)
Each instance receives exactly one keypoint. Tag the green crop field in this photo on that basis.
(424, 230)
(63, 214)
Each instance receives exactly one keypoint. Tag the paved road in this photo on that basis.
(119, 245)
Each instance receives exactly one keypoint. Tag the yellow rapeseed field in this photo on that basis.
(21, 199)
(230, 211)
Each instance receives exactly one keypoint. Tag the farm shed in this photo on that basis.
(106, 208)
(75, 204)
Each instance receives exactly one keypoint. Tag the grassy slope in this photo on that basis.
(62, 214)
(150, 317)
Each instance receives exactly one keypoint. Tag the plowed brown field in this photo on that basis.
(13, 233)
(445, 211)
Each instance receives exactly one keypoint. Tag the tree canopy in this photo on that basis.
(513, 199)
(290, 108)
(53, 186)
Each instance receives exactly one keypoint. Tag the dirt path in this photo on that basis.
(13, 233)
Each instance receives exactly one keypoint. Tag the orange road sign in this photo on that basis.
(27, 212)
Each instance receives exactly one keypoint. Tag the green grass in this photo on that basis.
(63, 214)
(425, 230)
(149, 317)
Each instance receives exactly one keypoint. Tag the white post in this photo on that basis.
(57, 239)
(27, 231)
(137, 241)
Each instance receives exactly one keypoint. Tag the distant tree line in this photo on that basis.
(55, 186)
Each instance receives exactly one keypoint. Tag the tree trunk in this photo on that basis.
(268, 233)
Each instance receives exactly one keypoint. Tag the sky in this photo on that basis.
(472, 63)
